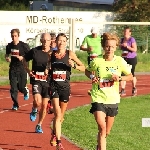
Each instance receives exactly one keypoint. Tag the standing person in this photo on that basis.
(61, 62)
(17, 73)
(92, 42)
(39, 80)
(105, 86)
(129, 48)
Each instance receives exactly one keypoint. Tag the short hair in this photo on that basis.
(128, 28)
(109, 36)
(42, 35)
(15, 30)
(61, 34)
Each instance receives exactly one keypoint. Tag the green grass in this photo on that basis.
(73, 79)
(142, 66)
(127, 132)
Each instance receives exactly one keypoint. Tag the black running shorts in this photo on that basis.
(133, 62)
(109, 109)
(42, 88)
(62, 94)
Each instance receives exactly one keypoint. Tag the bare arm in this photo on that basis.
(73, 58)
(133, 47)
(25, 64)
(83, 48)
(48, 67)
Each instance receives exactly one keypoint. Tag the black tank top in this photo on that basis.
(60, 71)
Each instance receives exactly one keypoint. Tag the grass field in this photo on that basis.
(127, 132)
(142, 66)
(73, 79)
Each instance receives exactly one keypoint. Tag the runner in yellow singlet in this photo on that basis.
(92, 45)
(105, 86)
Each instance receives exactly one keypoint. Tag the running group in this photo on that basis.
(50, 75)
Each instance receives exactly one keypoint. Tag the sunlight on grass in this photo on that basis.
(127, 132)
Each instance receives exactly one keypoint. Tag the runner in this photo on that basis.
(129, 48)
(17, 73)
(105, 86)
(53, 41)
(40, 84)
(53, 47)
(93, 46)
(61, 62)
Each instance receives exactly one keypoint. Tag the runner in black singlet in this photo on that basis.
(38, 79)
(61, 62)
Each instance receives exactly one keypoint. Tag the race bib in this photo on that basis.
(125, 53)
(14, 52)
(40, 76)
(106, 83)
(92, 56)
(59, 75)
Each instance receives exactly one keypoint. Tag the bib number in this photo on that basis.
(14, 52)
(106, 83)
(92, 56)
(124, 53)
(40, 76)
(59, 75)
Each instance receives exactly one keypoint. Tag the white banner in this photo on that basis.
(33, 23)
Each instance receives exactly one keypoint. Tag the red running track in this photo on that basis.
(17, 131)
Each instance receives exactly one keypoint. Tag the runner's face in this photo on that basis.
(61, 42)
(15, 37)
(127, 33)
(110, 47)
(46, 40)
(53, 42)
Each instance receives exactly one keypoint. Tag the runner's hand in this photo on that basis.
(95, 80)
(8, 59)
(124, 44)
(19, 57)
(90, 48)
(71, 63)
(115, 77)
(46, 72)
(31, 73)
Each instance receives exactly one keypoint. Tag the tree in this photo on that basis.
(14, 5)
(134, 11)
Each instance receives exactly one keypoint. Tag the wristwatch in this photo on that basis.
(74, 67)
(120, 78)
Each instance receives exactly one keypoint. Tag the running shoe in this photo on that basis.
(134, 92)
(53, 140)
(38, 129)
(59, 147)
(122, 92)
(33, 115)
(26, 96)
(50, 109)
(14, 108)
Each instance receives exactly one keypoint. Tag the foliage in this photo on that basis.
(14, 5)
(134, 11)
